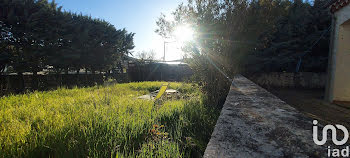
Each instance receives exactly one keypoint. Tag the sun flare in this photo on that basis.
(183, 33)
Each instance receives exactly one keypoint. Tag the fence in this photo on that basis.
(19, 83)
(146, 72)
(159, 72)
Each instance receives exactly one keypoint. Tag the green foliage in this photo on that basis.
(36, 34)
(248, 36)
(105, 122)
(303, 32)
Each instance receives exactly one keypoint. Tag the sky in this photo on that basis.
(137, 16)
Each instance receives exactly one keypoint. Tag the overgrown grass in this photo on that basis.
(105, 122)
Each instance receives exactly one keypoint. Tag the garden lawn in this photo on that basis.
(106, 122)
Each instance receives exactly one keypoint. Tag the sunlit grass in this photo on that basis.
(105, 122)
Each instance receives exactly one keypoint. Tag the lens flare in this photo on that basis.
(183, 33)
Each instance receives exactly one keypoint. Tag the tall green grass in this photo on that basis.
(106, 122)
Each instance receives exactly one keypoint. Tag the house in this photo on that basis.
(338, 82)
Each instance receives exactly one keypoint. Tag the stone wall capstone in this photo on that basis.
(255, 123)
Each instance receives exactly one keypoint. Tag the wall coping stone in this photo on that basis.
(255, 123)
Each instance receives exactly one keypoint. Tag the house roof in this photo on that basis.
(336, 5)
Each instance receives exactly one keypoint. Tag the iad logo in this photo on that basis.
(333, 129)
(334, 134)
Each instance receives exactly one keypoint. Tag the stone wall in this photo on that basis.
(308, 80)
(255, 123)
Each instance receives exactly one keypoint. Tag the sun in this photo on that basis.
(183, 33)
(172, 47)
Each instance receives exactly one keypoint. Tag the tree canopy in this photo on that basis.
(249, 36)
(257, 35)
(36, 34)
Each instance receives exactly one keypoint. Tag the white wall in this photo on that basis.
(339, 62)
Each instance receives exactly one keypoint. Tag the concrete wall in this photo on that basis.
(255, 123)
(342, 70)
(338, 85)
(307, 80)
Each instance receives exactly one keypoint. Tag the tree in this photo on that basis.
(301, 37)
(36, 34)
(146, 55)
(250, 36)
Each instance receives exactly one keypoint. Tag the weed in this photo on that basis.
(105, 122)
